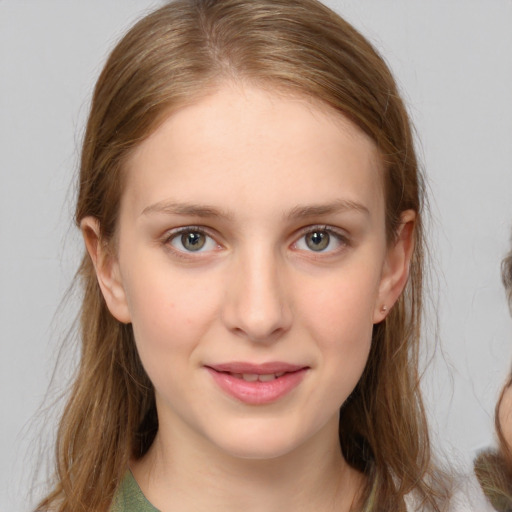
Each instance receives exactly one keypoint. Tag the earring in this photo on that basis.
(384, 309)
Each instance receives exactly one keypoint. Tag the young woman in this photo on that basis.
(493, 468)
(251, 206)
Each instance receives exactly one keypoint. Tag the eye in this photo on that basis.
(317, 240)
(192, 239)
(320, 239)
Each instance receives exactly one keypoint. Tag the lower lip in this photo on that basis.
(258, 393)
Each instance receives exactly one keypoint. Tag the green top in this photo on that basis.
(129, 497)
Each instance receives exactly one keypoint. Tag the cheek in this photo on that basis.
(170, 314)
(505, 415)
(339, 316)
(341, 308)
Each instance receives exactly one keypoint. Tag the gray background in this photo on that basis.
(453, 60)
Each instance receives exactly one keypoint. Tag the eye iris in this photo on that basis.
(193, 241)
(317, 240)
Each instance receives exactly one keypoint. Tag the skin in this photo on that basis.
(257, 171)
(505, 416)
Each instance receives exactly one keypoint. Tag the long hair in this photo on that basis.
(493, 468)
(167, 60)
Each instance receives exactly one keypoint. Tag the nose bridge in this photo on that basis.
(257, 305)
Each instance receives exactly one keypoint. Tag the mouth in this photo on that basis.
(253, 377)
(250, 372)
(257, 384)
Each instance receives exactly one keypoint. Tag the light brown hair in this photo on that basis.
(506, 277)
(493, 468)
(166, 60)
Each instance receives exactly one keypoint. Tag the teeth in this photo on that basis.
(267, 378)
(253, 377)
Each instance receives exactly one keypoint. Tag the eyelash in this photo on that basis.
(178, 232)
(342, 239)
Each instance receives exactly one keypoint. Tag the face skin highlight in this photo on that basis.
(251, 240)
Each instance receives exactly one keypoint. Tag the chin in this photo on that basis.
(259, 443)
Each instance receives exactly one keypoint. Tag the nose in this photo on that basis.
(257, 305)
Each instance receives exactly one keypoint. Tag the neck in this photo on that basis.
(175, 476)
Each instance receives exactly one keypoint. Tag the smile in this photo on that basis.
(253, 377)
(257, 384)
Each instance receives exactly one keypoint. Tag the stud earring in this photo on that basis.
(384, 309)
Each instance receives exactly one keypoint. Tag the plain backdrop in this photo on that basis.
(453, 61)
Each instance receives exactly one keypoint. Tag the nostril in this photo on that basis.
(260, 334)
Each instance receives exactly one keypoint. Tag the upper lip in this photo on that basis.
(257, 369)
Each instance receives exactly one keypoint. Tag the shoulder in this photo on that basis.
(129, 497)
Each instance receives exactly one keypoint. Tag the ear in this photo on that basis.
(395, 271)
(107, 269)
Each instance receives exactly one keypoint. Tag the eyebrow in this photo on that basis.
(339, 206)
(297, 212)
(186, 209)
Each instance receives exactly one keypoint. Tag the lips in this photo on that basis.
(257, 384)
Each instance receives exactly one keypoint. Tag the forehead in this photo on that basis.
(246, 146)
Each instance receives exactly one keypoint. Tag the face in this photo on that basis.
(252, 262)
(505, 415)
